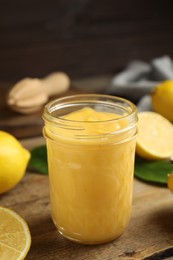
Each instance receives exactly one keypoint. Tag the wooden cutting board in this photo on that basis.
(23, 125)
(148, 236)
(19, 125)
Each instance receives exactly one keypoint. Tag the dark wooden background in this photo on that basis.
(81, 37)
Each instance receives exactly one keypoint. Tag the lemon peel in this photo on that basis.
(155, 136)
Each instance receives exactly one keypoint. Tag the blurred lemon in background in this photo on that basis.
(155, 136)
(162, 99)
(13, 161)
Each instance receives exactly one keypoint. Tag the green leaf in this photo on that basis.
(145, 170)
(153, 171)
(38, 160)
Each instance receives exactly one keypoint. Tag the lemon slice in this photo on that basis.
(155, 136)
(170, 182)
(15, 238)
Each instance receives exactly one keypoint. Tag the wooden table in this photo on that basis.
(150, 231)
(149, 234)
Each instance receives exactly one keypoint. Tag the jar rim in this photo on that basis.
(71, 100)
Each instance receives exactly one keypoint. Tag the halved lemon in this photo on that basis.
(155, 136)
(15, 237)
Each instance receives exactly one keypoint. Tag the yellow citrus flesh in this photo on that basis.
(15, 237)
(162, 99)
(13, 161)
(170, 182)
(155, 136)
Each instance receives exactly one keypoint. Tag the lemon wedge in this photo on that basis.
(155, 136)
(15, 237)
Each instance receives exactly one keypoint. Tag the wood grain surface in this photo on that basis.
(149, 234)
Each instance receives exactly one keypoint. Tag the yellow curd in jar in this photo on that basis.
(91, 175)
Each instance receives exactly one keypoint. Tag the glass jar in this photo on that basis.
(91, 165)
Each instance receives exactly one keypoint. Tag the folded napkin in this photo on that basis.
(139, 78)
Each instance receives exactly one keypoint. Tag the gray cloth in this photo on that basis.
(139, 78)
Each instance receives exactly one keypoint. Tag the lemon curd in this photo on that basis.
(91, 164)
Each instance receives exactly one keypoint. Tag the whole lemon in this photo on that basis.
(13, 161)
(162, 99)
